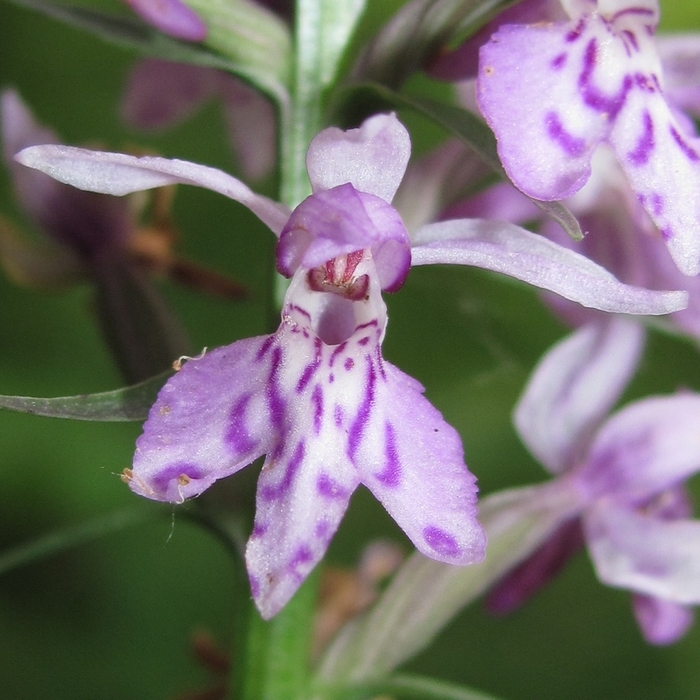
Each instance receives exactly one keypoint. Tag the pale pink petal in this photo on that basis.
(119, 174)
(513, 251)
(413, 462)
(662, 164)
(647, 447)
(209, 421)
(528, 91)
(372, 158)
(645, 554)
(662, 622)
(573, 387)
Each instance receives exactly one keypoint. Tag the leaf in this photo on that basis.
(414, 687)
(132, 33)
(469, 129)
(131, 403)
(55, 542)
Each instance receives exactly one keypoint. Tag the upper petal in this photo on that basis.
(519, 253)
(645, 554)
(209, 421)
(647, 447)
(372, 158)
(119, 174)
(573, 387)
(413, 462)
(342, 220)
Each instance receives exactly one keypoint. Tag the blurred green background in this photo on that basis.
(114, 619)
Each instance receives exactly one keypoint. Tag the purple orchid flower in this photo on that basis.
(316, 396)
(171, 17)
(626, 471)
(160, 94)
(594, 79)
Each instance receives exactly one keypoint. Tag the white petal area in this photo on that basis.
(516, 252)
(209, 421)
(662, 164)
(119, 174)
(645, 554)
(303, 493)
(573, 388)
(647, 447)
(373, 158)
(413, 462)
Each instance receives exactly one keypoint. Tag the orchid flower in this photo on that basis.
(172, 17)
(160, 94)
(316, 396)
(626, 471)
(553, 92)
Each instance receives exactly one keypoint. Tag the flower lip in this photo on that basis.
(339, 222)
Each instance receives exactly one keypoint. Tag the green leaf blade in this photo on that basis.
(131, 403)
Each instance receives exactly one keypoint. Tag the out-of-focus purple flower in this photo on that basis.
(627, 472)
(160, 94)
(317, 397)
(553, 92)
(172, 17)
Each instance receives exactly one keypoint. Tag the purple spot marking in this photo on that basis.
(349, 363)
(237, 436)
(391, 474)
(323, 530)
(642, 152)
(303, 312)
(632, 11)
(360, 422)
(317, 401)
(631, 38)
(441, 542)
(572, 145)
(254, 586)
(307, 374)
(657, 204)
(667, 233)
(328, 487)
(575, 33)
(592, 96)
(272, 493)
(163, 478)
(337, 352)
(646, 82)
(363, 341)
(274, 398)
(338, 415)
(264, 348)
(259, 529)
(690, 153)
(365, 325)
(300, 559)
(331, 378)
(559, 61)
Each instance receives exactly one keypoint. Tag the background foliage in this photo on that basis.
(114, 619)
